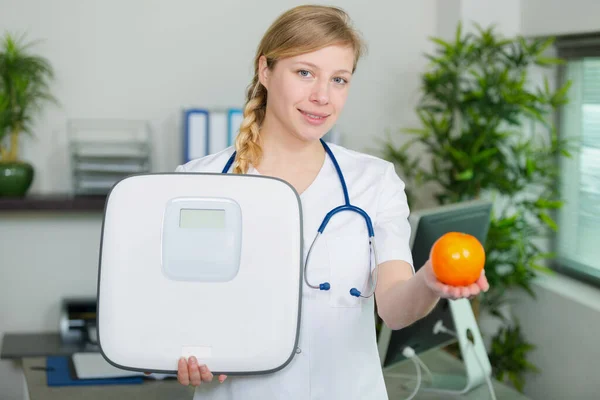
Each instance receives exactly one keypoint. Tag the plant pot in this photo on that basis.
(15, 178)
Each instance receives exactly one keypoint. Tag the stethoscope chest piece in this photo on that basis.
(346, 207)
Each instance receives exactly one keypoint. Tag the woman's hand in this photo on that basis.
(453, 292)
(190, 372)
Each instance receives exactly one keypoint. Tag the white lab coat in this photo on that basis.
(338, 356)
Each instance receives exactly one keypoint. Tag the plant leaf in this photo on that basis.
(464, 175)
(548, 221)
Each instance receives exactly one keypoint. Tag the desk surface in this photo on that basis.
(400, 380)
(398, 387)
(21, 345)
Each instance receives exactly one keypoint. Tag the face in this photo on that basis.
(307, 93)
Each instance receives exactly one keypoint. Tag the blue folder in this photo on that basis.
(60, 373)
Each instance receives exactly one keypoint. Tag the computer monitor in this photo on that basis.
(472, 217)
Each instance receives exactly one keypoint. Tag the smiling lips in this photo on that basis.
(314, 118)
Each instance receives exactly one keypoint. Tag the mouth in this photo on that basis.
(314, 115)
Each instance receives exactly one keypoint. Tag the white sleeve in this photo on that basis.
(391, 225)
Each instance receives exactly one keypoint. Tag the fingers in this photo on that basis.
(455, 292)
(190, 372)
(205, 373)
(474, 290)
(482, 282)
(458, 292)
(182, 372)
(194, 371)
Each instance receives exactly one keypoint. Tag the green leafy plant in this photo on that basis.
(508, 355)
(24, 87)
(487, 132)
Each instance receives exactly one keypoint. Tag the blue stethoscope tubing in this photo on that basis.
(347, 206)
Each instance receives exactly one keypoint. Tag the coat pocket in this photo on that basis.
(349, 257)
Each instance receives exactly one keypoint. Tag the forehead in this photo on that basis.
(328, 59)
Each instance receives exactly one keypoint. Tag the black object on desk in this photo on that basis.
(21, 345)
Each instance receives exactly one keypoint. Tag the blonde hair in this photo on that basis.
(302, 29)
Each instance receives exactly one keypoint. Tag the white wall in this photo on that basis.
(564, 323)
(43, 258)
(147, 59)
(559, 17)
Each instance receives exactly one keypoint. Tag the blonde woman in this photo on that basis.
(304, 68)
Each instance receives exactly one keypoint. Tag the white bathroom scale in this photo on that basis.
(202, 264)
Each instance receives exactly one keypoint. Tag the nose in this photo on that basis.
(320, 92)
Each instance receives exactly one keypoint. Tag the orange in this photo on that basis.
(457, 259)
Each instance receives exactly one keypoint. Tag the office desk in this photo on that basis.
(400, 380)
(437, 361)
(37, 388)
(31, 350)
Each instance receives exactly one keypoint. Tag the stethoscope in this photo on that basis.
(345, 207)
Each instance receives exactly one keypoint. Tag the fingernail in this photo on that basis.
(192, 360)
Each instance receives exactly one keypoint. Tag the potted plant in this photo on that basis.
(24, 87)
(487, 131)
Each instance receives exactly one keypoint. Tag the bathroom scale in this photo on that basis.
(202, 264)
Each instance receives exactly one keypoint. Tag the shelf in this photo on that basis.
(53, 202)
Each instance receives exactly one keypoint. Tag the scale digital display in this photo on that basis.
(201, 219)
(202, 239)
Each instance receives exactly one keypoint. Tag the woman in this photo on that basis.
(303, 71)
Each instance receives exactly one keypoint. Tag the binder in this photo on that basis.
(217, 130)
(235, 118)
(196, 141)
(208, 131)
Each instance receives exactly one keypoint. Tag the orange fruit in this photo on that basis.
(457, 259)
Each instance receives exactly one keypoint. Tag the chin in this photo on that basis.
(311, 135)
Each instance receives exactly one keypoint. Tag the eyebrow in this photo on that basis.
(314, 66)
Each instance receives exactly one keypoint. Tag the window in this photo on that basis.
(578, 239)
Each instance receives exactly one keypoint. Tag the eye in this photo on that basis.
(340, 81)
(303, 73)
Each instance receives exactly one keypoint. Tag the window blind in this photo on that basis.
(578, 239)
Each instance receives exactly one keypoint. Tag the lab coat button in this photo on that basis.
(298, 350)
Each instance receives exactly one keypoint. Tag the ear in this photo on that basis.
(263, 71)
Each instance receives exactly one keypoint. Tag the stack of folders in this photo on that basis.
(208, 131)
(105, 151)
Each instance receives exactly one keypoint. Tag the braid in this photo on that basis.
(247, 141)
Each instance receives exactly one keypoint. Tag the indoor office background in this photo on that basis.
(149, 60)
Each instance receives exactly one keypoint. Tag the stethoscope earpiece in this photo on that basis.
(326, 286)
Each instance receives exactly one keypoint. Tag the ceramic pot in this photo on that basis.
(15, 178)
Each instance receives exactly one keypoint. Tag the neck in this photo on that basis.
(283, 151)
